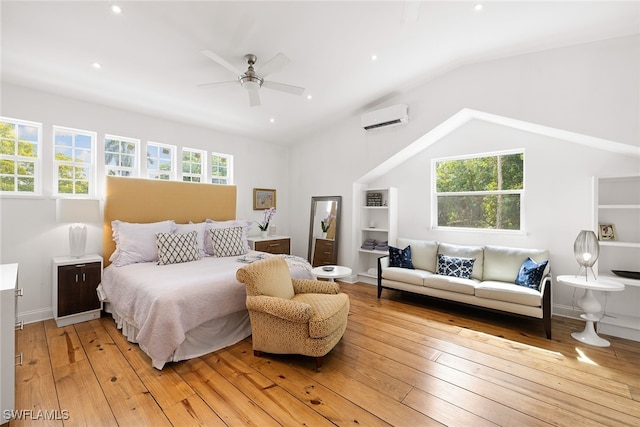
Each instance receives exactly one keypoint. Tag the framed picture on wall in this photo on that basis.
(607, 232)
(263, 198)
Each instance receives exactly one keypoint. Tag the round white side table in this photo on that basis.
(590, 305)
(338, 272)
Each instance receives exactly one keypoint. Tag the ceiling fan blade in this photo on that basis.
(274, 64)
(254, 98)
(221, 61)
(227, 83)
(294, 90)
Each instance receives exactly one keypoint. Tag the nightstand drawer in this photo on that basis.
(276, 246)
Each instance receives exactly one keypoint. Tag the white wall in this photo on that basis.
(591, 89)
(30, 235)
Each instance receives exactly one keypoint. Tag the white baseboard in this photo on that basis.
(35, 315)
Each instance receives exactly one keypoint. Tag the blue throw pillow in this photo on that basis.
(400, 257)
(531, 273)
(455, 267)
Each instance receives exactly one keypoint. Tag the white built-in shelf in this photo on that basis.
(617, 243)
(618, 206)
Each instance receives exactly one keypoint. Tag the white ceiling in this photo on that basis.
(151, 60)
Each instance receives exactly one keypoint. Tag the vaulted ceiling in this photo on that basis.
(151, 60)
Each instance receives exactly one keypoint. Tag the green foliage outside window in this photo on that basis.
(18, 156)
(219, 170)
(482, 192)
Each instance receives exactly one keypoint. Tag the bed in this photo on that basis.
(176, 309)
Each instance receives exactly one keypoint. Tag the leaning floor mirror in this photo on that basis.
(324, 230)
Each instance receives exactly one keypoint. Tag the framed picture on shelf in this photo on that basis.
(606, 232)
(263, 198)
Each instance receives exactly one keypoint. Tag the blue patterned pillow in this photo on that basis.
(455, 267)
(530, 274)
(400, 257)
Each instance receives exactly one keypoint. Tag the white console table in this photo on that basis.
(590, 305)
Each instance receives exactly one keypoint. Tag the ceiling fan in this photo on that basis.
(251, 81)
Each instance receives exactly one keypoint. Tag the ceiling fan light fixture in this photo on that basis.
(251, 82)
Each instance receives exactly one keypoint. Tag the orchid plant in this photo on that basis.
(268, 214)
(326, 223)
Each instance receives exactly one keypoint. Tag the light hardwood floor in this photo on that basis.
(404, 361)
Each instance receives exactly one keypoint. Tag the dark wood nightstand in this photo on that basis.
(271, 244)
(74, 289)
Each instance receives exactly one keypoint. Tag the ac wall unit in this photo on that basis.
(385, 117)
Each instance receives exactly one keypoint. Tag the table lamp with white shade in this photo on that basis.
(586, 250)
(78, 212)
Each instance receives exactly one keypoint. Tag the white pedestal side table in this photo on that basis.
(590, 305)
(338, 272)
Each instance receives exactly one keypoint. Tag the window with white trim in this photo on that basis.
(221, 168)
(481, 192)
(121, 156)
(74, 161)
(193, 165)
(161, 161)
(20, 156)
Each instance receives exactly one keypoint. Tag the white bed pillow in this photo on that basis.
(177, 248)
(227, 241)
(200, 228)
(246, 227)
(136, 242)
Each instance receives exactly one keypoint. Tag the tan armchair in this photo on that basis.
(292, 316)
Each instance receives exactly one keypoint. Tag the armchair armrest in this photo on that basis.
(293, 311)
(308, 286)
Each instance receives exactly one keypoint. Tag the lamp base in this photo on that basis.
(77, 240)
(586, 269)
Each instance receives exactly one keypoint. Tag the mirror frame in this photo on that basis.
(314, 201)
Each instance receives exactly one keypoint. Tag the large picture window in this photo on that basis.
(74, 161)
(484, 192)
(20, 156)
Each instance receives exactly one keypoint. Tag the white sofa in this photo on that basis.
(492, 283)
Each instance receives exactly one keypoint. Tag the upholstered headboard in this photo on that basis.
(146, 200)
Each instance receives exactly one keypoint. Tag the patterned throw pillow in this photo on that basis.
(400, 257)
(455, 267)
(227, 241)
(175, 248)
(530, 274)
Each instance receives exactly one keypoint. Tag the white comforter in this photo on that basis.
(164, 302)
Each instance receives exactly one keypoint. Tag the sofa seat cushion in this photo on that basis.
(509, 292)
(452, 284)
(414, 277)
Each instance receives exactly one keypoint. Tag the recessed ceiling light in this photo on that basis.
(272, 120)
(374, 57)
(96, 65)
(309, 96)
(116, 9)
(478, 7)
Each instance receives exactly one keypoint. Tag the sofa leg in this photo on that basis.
(257, 353)
(318, 364)
(547, 327)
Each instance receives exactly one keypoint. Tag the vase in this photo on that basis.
(263, 234)
(324, 234)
